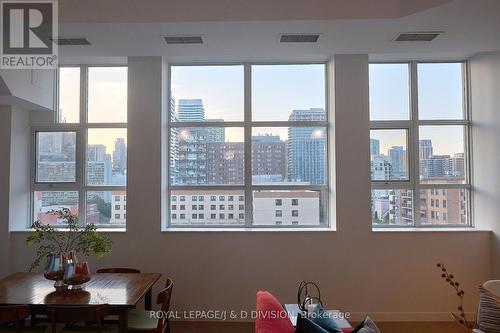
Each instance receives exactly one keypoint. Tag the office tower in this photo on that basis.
(216, 134)
(269, 157)
(225, 163)
(374, 147)
(120, 156)
(381, 167)
(396, 157)
(425, 149)
(190, 110)
(174, 144)
(192, 157)
(437, 166)
(98, 165)
(458, 165)
(307, 148)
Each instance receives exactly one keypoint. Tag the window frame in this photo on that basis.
(81, 129)
(247, 124)
(412, 126)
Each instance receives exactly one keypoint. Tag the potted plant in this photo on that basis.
(60, 245)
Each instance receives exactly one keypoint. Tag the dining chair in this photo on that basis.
(12, 319)
(118, 270)
(84, 314)
(142, 321)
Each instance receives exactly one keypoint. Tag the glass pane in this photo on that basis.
(55, 157)
(441, 152)
(107, 95)
(47, 201)
(207, 156)
(289, 155)
(389, 92)
(290, 208)
(392, 207)
(288, 92)
(107, 157)
(444, 206)
(69, 95)
(107, 208)
(389, 154)
(207, 207)
(440, 91)
(207, 93)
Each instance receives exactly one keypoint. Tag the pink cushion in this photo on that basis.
(270, 316)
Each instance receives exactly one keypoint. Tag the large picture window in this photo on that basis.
(243, 138)
(80, 163)
(419, 145)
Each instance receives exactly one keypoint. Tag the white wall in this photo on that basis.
(5, 127)
(32, 89)
(389, 275)
(485, 83)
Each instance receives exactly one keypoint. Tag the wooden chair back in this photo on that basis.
(14, 315)
(118, 270)
(164, 299)
(76, 314)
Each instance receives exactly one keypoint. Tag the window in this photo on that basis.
(419, 151)
(279, 213)
(242, 132)
(81, 161)
(174, 207)
(295, 213)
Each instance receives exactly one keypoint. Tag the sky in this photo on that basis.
(439, 96)
(107, 101)
(277, 90)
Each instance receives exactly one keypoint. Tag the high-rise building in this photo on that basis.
(269, 157)
(191, 168)
(225, 163)
(174, 143)
(120, 156)
(396, 157)
(437, 166)
(374, 147)
(99, 165)
(307, 148)
(216, 134)
(458, 165)
(425, 149)
(381, 167)
(191, 110)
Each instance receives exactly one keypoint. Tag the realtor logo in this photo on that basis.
(28, 31)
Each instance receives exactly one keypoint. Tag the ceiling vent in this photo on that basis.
(299, 38)
(417, 36)
(183, 39)
(71, 41)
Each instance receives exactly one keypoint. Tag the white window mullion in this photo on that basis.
(248, 145)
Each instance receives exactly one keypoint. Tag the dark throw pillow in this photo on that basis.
(324, 320)
(306, 325)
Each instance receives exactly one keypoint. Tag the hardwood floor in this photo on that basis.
(242, 327)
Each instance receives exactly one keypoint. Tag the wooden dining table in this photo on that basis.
(120, 291)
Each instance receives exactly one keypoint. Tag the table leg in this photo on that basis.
(123, 321)
(148, 305)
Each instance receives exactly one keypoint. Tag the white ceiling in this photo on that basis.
(147, 11)
(470, 26)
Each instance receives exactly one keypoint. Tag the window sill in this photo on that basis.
(104, 230)
(430, 229)
(168, 230)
